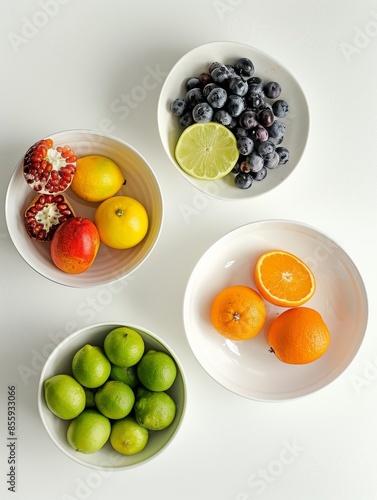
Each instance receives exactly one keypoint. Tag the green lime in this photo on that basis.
(126, 374)
(115, 399)
(207, 150)
(64, 396)
(156, 371)
(90, 366)
(89, 432)
(128, 437)
(154, 410)
(124, 346)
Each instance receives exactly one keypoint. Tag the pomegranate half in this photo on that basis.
(45, 214)
(47, 169)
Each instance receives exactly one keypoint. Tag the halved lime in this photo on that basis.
(207, 151)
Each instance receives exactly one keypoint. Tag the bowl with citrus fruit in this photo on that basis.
(83, 208)
(112, 396)
(275, 310)
(232, 120)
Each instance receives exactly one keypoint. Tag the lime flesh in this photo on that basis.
(207, 151)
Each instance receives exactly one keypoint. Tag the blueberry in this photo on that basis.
(244, 67)
(240, 132)
(265, 105)
(205, 78)
(232, 71)
(207, 88)
(193, 97)
(245, 145)
(192, 83)
(238, 86)
(235, 105)
(272, 90)
(280, 108)
(243, 180)
(233, 124)
(266, 117)
(248, 119)
(266, 149)
(178, 107)
(276, 131)
(272, 162)
(237, 166)
(255, 162)
(223, 117)
(217, 97)
(186, 120)
(260, 175)
(202, 113)
(283, 155)
(254, 100)
(259, 134)
(255, 85)
(244, 165)
(213, 66)
(220, 74)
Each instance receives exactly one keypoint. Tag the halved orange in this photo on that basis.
(283, 279)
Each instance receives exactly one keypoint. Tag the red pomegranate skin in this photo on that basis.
(74, 245)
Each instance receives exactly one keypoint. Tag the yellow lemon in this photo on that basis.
(97, 178)
(122, 222)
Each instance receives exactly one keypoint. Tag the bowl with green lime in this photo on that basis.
(112, 396)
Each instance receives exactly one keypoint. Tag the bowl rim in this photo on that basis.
(102, 324)
(362, 291)
(264, 54)
(111, 279)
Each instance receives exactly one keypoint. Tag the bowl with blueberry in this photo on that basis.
(232, 120)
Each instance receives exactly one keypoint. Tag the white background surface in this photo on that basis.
(70, 71)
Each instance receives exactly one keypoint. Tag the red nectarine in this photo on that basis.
(74, 245)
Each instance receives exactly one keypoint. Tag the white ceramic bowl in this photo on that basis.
(297, 123)
(110, 264)
(107, 458)
(248, 368)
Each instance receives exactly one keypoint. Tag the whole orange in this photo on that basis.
(238, 312)
(299, 336)
(74, 245)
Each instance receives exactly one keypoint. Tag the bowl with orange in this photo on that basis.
(83, 208)
(275, 310)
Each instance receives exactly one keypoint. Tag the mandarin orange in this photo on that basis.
(283, 279)
(298, 336)
(238, 312)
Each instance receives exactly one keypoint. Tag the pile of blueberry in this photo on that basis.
(251, 108)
